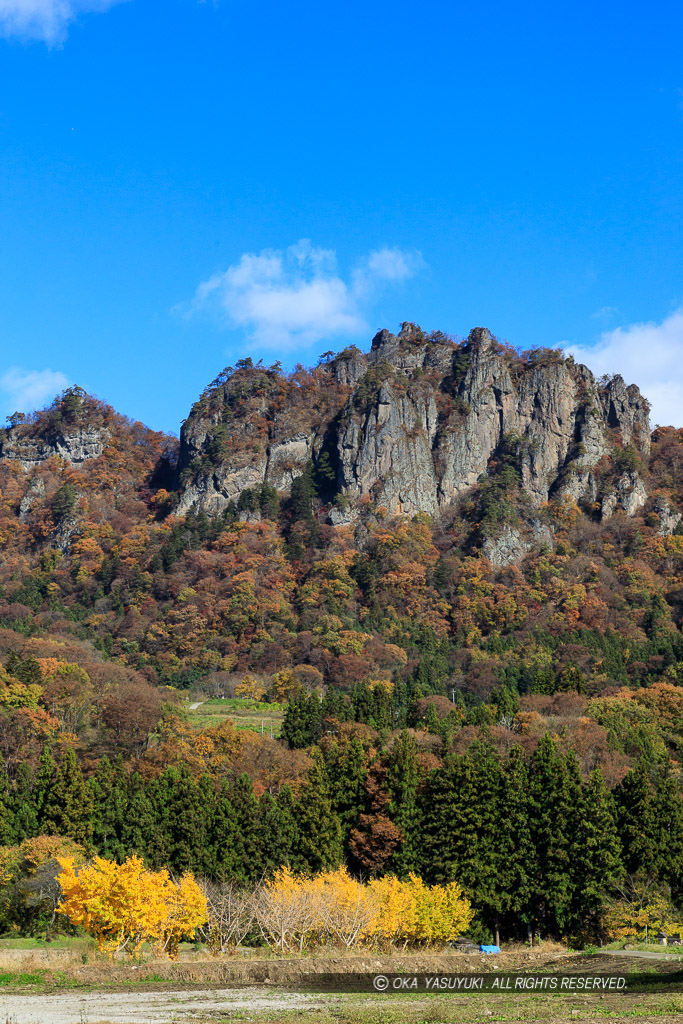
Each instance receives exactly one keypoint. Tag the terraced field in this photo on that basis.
(244, 713)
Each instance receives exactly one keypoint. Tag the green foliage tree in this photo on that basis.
(403, 776)
(68, 804)
(319, 840)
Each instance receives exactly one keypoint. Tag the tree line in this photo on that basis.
(535, 847)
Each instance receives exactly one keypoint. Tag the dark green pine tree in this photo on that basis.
(400, 704)
(68, 807)
(248, 867)
(346, 773)
(139, 825)
(445, 820)
(637, 820)
(7, 811)
(25, 811)
(334, 706)
(554, 798)
(319, 841)
(517, 854)
(109, 791)
(482, 861)
(433, 721)
(181, 813)
(223, 845)
(595, 856)
(302, 724)
(42, 787)
(277, 831)
(461, 822)
(668, 812)
(403, 777)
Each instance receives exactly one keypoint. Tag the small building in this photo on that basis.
(662, 938)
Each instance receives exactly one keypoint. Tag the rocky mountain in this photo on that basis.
(433, 514)
(413, 424)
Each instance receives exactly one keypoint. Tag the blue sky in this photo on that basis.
(186, 183)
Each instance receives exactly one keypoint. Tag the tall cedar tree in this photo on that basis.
(248, 839)
(637, 820)
(7, 811)
(181, 832)
(554, 798)
(403, 777)
(68, 806)
(596, 861)
(109, 791)
(25, 813)
(516, 862)
(319, 828)
(140, 824)
(346, 773)
(277, 831)
(225, 859)
(669, 830)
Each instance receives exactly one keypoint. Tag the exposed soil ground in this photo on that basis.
(236, 990)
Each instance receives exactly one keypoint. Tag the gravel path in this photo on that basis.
(146, 1007)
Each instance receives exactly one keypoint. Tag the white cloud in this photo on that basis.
(649, 355)
(297, 297)
(605, 313)
(26, 390)
(390, 265)
(45, 19)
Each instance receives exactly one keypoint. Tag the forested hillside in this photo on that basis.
(459, 566)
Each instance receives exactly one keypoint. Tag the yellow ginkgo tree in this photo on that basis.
(295, 911)
(124, 905)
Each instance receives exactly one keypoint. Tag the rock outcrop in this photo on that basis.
(668, 519)
(629, 495)
(413, 424)
(75, 446)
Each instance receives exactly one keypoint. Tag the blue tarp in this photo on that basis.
(489, 949)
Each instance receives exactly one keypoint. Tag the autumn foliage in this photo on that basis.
(294, 912)
(124, 905)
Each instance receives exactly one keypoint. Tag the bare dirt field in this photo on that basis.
(229, 990)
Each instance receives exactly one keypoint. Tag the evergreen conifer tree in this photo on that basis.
(7, 811)
(403, 776)
(636, 813)
(108, 788)
(554, 796)
(346, 773)
(319, 841)
(223, 840)
(42, 787)
(596, 855)
(277, 834)
(247, 838)
(517, 855)
(139, 825)
(668, 813)
(68, 806)
(25, 810)
(181, 815)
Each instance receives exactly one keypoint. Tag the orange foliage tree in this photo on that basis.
(124, 905)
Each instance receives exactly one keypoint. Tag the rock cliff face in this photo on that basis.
(75, 446)
(415, 423)
(253, 427)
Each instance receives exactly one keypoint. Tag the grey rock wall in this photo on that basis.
(421, 419)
